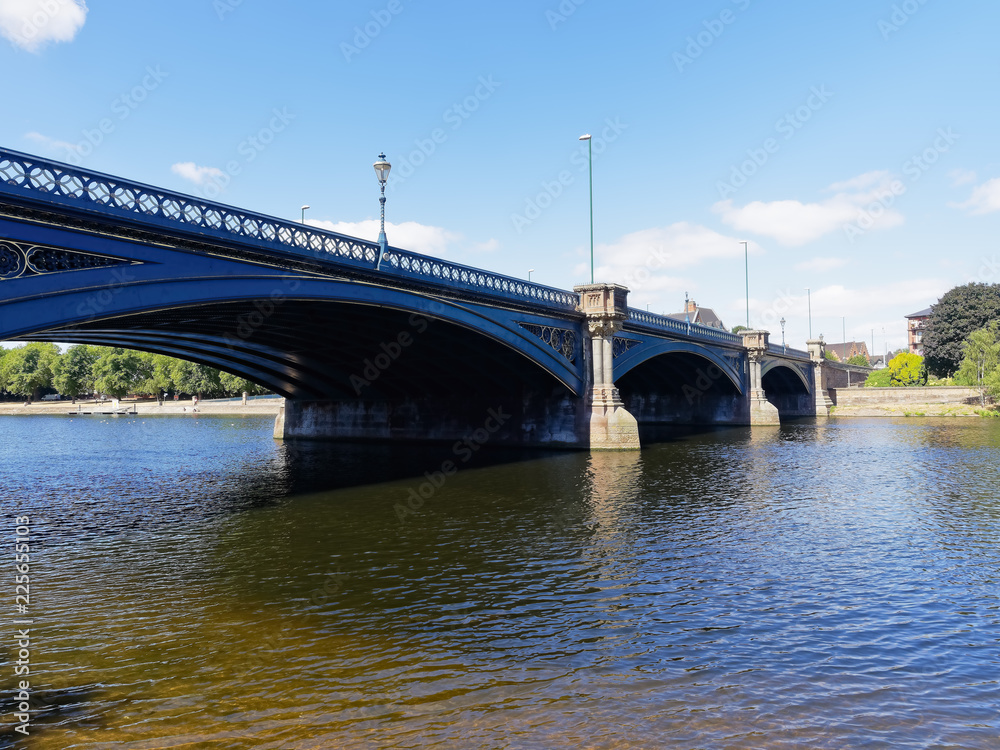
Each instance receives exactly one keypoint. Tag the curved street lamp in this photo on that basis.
(382, 167)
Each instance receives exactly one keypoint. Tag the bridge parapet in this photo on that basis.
(787, 351)
(39, 183)
(664, 323)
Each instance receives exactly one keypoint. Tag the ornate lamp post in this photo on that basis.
(382, 167)
(784, 349)
(590, 161)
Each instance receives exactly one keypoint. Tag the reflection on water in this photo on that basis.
(816, 585)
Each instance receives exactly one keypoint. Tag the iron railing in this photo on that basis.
(694, 330)
(48, 181)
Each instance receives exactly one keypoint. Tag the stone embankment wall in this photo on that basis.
(938, 394)
(933, 401)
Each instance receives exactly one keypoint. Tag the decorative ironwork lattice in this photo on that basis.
(620, 345)
(560, 339)
(21, 173)
(18, 260)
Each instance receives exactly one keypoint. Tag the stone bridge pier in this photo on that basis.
(762, 411)
(611, 425)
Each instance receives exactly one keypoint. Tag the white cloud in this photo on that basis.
(408, 235)
(792, 222)
(820, 265)
(985, 198)
(51, 144)
(31, 24)
(643, 260)
(198, 175)
(962, 177)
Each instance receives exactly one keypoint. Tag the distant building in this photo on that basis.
(877, 361)
(849, 349)
(915, 325)
(703, 316)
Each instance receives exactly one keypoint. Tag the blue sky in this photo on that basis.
(852, 144)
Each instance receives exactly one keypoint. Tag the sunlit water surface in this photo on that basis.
(195, 584)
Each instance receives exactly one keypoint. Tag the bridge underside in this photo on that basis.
(682, 388)
(358, 372)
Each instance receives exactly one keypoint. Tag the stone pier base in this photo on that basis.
(612, 428)
(762, 411)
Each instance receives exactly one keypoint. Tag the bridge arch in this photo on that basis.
(316, 337)
(666, 381)
(788, 388)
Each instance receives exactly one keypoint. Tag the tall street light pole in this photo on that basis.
(382, 167)
(809, 302)
(746, 258)
(590, 162)
(304, 214)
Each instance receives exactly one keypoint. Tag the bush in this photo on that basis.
(878, 378)
(907, 370)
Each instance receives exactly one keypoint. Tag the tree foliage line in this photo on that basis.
(31, 370)
(961, 343)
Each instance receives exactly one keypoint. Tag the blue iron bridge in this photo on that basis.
(398, 345)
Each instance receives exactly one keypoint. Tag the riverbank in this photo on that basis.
(928, 401)
(254, 407)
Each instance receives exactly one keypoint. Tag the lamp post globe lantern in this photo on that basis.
(382, 167)
(782, 322)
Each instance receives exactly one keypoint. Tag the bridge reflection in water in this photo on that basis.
(407, 348)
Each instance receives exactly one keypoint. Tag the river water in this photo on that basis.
(196, 584)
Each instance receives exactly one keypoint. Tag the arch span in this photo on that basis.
(677, 382)
(316, 338)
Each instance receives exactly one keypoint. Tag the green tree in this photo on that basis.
(737, 329)
(160, 379)
(858, 359)
(119, 372)
(73, 373)
(195, 379)
(831, 355)
(26, 370)
(980, 365)
(234, 385)
(958, 313)
(878, 378)
(907, 370)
